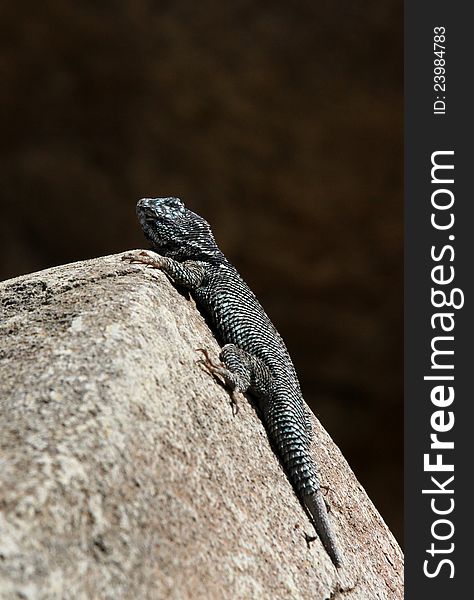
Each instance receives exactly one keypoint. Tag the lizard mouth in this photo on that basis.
(146, 207)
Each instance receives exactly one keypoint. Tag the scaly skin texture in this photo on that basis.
(254, 357)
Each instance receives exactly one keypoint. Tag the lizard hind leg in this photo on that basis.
(233, 379)
(249, 372)
(239, 370)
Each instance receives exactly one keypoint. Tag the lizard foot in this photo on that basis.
(221, 374)
(144, 258)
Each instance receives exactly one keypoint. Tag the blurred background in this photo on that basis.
(280, 122)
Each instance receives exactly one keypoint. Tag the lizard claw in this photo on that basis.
(144, 258)
(219, 372)
(206, 361)
(234, 404)
(216, 369)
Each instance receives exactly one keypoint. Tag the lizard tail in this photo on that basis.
(316, 506)
(288, 429)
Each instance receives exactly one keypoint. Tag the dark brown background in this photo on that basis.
(281, 122)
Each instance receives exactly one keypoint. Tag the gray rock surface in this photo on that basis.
(124, 473)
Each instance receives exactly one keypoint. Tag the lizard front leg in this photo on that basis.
(189, 274)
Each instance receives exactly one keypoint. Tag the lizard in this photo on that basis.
(254, 357)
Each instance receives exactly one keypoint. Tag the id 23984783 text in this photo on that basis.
(439, 70)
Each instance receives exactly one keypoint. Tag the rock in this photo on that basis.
(124, 472)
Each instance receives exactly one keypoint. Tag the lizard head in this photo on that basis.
(174, 230)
